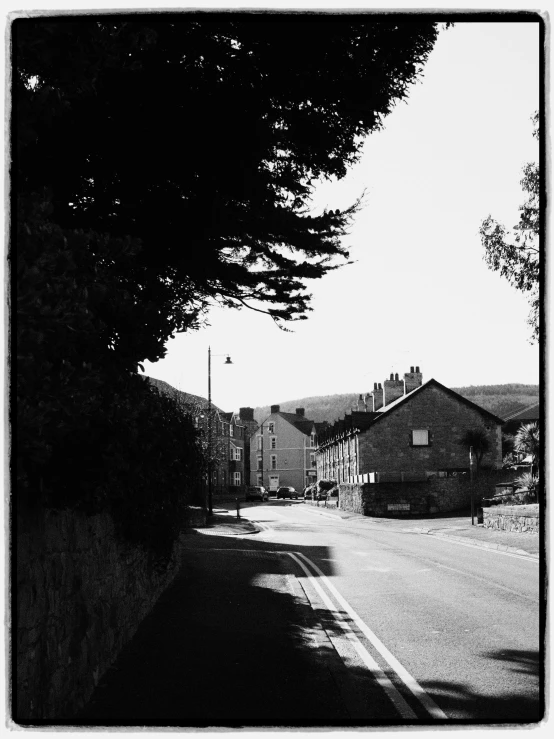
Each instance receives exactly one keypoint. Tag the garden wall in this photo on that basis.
(400, 499)
(520, 518)
(80, 596)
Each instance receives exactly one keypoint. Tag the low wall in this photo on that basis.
(520, 518)
(80, 596)
(404, 499)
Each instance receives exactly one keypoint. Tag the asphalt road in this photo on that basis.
(449, 632)
(317, 620)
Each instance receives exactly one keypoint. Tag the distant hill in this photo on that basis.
(498, 399)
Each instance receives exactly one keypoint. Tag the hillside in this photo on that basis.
(498, 399)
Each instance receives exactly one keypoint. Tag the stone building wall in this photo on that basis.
(387, 445)
(80, 596)
(399, 499)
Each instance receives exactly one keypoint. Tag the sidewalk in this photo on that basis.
(232, 641)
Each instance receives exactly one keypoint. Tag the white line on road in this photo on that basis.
(398, 701)
(415, 688)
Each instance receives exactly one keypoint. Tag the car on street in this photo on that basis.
(321, 495)
(287, 491)
(257, 492)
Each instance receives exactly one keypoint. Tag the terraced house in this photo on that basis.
(283, 450)
(409, 430)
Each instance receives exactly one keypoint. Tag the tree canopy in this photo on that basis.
(200, 138)
(515, 253)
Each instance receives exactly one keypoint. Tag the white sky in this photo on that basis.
(419, 292)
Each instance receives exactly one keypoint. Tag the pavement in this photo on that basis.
(456, 525)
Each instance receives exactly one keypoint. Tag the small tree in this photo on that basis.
(527, 441)
(515, 253)
(479, 440)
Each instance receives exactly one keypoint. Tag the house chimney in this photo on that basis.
(393, 389)
(377, 397)
(246, 414)
(300, 411)
(360, 403)
(275, 408)
(413, 379)
(369, 402)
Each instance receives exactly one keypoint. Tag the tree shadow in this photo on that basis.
(232, 642)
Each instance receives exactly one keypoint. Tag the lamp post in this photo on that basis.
(210, 472)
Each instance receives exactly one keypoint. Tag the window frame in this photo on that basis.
(417, 444)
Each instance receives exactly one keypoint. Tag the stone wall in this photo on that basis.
(80, 596)
(387, 445)
(438, 495)
(520, 518)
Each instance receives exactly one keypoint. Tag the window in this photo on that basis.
(231, 430)
(236, 453)
(312, 460)
(420, 437)
(313, 439)
(271, 427)
(260, 479)
(273, 442)
(260, 464)
(273, 461)
(259, 442)
(236, 478)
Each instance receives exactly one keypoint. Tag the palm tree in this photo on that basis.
(477, 438)
(527, 441)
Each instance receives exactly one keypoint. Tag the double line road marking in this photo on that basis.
(381, 678)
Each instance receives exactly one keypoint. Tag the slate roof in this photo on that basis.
(364, 419)
(300, 422)
(391, 407)
(531, 413)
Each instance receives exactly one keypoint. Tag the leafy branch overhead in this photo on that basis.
(204, 138)
(515, 253)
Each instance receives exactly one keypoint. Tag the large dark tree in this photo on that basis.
(203, 137)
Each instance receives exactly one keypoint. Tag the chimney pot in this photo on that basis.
(375, 386)
(391, 376)
(380, 387)
(411, 369)
(417, 369)
(396, 377)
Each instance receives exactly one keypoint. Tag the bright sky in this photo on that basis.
(419, 292)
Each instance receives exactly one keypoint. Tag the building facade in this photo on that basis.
(415, 436)
(283, 450)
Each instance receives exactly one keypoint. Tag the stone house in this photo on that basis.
(409, 431)
(283, 450)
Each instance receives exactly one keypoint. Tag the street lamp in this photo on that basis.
(227, 361)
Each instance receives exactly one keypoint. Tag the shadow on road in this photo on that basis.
(233, 642)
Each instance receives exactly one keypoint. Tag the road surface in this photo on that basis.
(448, 631)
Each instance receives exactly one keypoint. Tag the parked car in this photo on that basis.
(257, 492)
(287, 492)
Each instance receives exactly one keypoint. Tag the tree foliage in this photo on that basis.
(203, 138)
(515, 253)
(161, 164)
(478, 440)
